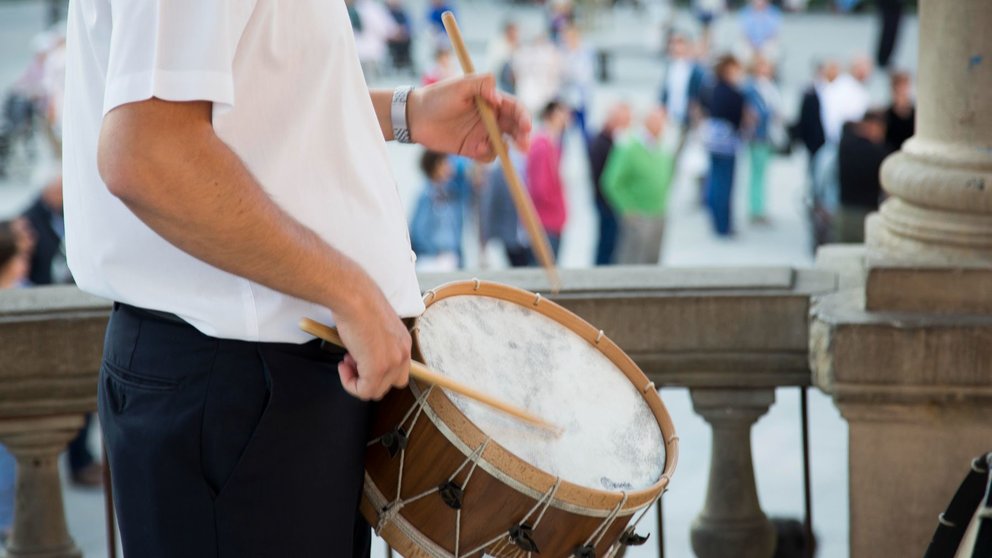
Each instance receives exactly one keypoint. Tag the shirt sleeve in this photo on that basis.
(175, 50)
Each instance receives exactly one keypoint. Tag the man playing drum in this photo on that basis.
(226, 174)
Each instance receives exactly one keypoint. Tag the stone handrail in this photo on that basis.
(730, 335)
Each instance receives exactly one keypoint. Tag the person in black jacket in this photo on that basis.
(859, 156)
(809, 128)
(900, 118)
(599, 151)
(45, 217)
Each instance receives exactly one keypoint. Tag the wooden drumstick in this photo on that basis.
(521, 199)
(421, 372)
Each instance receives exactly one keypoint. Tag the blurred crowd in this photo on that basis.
(717, 111)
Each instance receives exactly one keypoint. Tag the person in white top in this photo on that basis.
(225, 174)
(537, 67)
(373, 39)
(578, 75)
(846, 99)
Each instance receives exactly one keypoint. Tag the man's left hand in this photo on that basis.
(444, 117)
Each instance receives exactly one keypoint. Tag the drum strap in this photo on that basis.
(974, 493)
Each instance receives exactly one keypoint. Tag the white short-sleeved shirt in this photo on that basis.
(289, 99)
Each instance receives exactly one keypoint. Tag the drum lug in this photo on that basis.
(522, 535)
(630, 538)
(452, 494)
(587, 551)
(394, 441)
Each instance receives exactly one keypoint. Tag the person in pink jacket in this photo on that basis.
(544, 171)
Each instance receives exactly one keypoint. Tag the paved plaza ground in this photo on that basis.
(688, 242)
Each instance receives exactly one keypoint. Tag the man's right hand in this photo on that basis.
(378, 345)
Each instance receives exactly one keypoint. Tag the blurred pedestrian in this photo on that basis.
(498, 214)
(722, 140)
(707, 12)
(499, 56)
(435, 21)
(681, 90)
(442, 69)
(846, 98)
(435, 229)
(890, 19)
(54, 84)
(578, 76)
(600, 147)
(636, 182)
(900, 117)
(761, 23)
(25, 104)
(560, 16)
(862, 150)
(544, 180)
(375, 27)
(808, 128)
(48, 263)
(401, 41)
(764, 102)
(538, 70)
(15, 255)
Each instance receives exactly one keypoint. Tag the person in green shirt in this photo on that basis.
(636, 182)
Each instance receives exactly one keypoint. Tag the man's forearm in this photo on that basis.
(382, 102)
(197, 194)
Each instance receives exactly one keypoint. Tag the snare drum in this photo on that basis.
(448, 477)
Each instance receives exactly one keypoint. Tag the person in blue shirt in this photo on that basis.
(761, 23)
(436, 22)
(436, 226)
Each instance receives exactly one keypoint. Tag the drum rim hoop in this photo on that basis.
(463, 434)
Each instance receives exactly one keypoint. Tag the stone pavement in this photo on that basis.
(688, 242)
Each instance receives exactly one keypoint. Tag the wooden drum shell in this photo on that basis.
(503, 488)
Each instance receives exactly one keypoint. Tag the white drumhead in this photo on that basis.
(611, 439)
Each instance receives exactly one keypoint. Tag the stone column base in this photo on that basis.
(916, 391)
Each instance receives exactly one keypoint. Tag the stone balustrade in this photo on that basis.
(730, 335)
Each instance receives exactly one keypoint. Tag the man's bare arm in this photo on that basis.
(164, 161)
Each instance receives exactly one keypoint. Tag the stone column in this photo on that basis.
(732, 523)
(940, 209)
(906, 351)
(39, 517)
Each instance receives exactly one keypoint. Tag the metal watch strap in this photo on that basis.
(397, 114)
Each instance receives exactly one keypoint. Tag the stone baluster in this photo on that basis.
(39, 517)
(732, 523)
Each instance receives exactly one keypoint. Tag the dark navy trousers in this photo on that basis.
(719, 192)
(229, 449)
